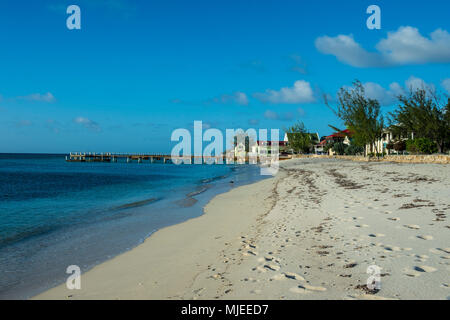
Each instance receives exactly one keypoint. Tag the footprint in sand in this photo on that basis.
(439, 251)
(256, 291)
(392, 248)
(425, 269)
(412, 226)
(298, 290)
(307, 289)
(294, 276)
(375, 235)
(425, 237)
(259, 269)
(279, 276)
(271, 258)
(272, 267)
(372, 297)
(411, 273)
(312, 288)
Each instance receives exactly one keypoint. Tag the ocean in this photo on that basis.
(55, 213)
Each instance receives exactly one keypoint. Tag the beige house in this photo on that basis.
(381, 144)
(258, 148)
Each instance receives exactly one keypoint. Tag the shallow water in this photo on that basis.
(54, 214)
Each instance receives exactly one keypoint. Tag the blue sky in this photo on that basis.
(139, 69)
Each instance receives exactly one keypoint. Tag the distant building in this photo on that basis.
(343, 136)
(258, 148)
(380, 145)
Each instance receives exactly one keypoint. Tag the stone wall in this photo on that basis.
(445, 159)
(418, 158)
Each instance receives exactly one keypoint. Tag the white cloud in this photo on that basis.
(413, 83)
(46, 97)
(283, 116)
(446, 84)
(301, 92)
(87, 123)
(347, 50)
(389, 96)
(272, 115)
(235, 98)
(407, 45)
(241, 98)
(401, 47)
(376, 91)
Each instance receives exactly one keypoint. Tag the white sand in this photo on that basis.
(311, 232)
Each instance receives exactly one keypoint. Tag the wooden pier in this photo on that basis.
(153, 158)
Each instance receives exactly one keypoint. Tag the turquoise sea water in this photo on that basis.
(54, 214)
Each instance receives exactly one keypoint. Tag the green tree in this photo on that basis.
(353, 150)
(298, 137)
(421, 145)
(361, 115)
(328, 146)
(339, 148)
(419, 114)
(446, 112)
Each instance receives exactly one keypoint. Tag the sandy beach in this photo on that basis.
(311, 232)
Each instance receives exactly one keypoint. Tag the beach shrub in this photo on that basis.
(421, 145)
(339, 148)
(422, 112)
(360, 114)
(298, 137)
(353, 150)
(411, 146)
(327, 147)
(400, 145)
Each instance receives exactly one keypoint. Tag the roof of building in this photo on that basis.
(340, 134)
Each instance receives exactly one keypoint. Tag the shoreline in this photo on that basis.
(173, 245)
(310, 232)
